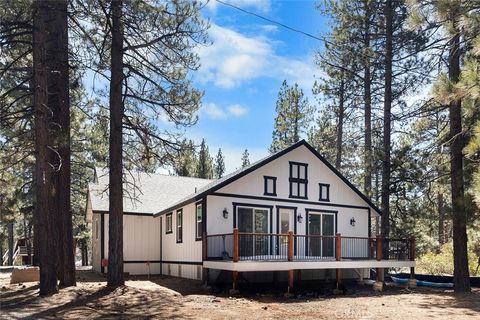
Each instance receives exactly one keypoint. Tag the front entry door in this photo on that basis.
(321, 229)
(254, 222)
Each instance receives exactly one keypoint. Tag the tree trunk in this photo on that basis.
(42, 216)
(11, 243)
(59, 102)
(367, 96)
(441, 221)
(115, 239)
(341, 115)
(387, 114)
(460, 255)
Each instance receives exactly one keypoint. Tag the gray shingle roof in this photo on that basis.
(145, 192)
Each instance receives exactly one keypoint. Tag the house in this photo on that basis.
(291, 211)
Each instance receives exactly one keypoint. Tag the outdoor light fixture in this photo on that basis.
(299, 218)
(352, 222)
(225, 213)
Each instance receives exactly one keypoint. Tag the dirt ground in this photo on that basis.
(174, 298)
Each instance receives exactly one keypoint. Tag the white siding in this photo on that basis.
(141, 242)
(188, 250)
(96, 242)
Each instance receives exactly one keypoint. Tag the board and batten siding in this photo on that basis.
(141, 244)
(182, 259)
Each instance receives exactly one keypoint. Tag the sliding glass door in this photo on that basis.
(253, 221)
(321, 229)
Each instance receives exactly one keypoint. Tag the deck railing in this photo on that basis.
(245, 246)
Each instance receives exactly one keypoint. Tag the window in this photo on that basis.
(168, 227)
(269, 186)
(198, 221)
(179, 226)
(298, 180)
(324, 192)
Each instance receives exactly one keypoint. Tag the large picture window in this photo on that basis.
(298, 180)
(199, 221)
(168, 223)
(179, 226)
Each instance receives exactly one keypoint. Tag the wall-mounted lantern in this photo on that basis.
(225, 213)
(299, 218)
(352, 222)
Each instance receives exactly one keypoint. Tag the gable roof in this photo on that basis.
(217, 184)
(145, 193)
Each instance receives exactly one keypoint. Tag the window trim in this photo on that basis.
(198, 237)
(179, 227)
(320, 194)
(265, 186)
(169, 215)
(297, 180)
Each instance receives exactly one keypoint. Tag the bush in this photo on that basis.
(442, 263)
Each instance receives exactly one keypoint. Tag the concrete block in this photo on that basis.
(378, 286)
(25, 274)
(412, 283)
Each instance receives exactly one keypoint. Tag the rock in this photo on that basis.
(233, 292)
(265, 308)
(215, 300)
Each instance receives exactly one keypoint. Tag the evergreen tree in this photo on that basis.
(245, 158)
(186, 163)
(204, 166)
(219, 164)
(293, 116)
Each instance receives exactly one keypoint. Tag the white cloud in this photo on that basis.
(237, 110)
(214, 111)
(235, 58)
(262, 5)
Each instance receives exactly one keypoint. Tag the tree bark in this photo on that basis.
(59, 102)
(441, 221)
(367, 96)
(387, 114)
(115, 239)
(11, 243)
(460, 256)
(42, 217)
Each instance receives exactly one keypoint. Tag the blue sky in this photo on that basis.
(243, 68)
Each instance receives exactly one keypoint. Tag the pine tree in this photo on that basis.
(204, 166)
(219, 164)
(293, 116)
(245, 158)
(186, 163)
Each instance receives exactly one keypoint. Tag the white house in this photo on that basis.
(290, 211)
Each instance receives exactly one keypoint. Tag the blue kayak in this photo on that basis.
(421, 283)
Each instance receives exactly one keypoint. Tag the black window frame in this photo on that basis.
(320, 193)
(298, 181)
(198, 236)
(167, 230)
(265, 186)
(179, 227)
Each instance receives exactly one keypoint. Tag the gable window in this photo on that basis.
(298, 180)
(198, 221)
(168, 224)
(179, 226)
(269, 186)
(324, 190)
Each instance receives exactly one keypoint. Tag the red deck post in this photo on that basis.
(290, 280)
(338, 255)
(235, 245)
(380, 275)
(290, 245)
